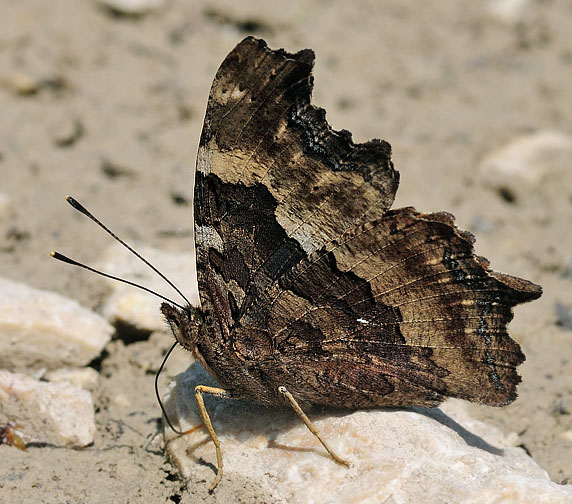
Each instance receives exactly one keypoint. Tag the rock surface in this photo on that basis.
(133, 7)
(140, 309)
(528, 161)
(508, 11)
(41, 329)
(6, 208)
(54, 413)
(409, 455)
(86, 378)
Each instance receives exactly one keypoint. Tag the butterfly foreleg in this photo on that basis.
(313, 429)
(218, 392)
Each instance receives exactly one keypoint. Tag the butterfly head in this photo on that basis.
(186, 324)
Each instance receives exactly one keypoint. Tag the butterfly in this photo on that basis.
(313, 291)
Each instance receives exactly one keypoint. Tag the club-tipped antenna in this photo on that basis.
(63, 258)
(80, 208)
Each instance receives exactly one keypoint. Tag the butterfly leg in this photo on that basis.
(310, 425)
(218, 392)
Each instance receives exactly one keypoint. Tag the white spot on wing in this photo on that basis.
(237, 93)
(207, 237)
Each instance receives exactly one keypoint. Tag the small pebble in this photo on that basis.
(6, 207)
(133, 7)
(54, 413)
(520, 167)
(41, 329)
(86, 378)
(68, 132)
(22, 83)
(508, 11)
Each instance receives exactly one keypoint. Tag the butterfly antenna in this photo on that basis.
(80, 208)
(177, 431)
(63, 258)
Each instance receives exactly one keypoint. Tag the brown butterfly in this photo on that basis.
(314, 292)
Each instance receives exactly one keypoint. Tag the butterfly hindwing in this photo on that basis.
(401, 311)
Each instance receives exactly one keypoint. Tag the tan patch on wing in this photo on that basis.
(261, 128)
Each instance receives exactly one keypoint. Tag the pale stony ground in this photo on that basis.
(396, 456)
(109, 108)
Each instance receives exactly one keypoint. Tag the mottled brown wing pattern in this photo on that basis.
(274, 182)
(260, 128)
(308, 280)
(406, 306)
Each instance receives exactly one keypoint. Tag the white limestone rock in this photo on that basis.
(529, 162)
(133, 7)
(66, 130)
(398, 456)
(86, 378)
(508, 11)
(6, 207)
(132, 306)
(20, 82)
(41, 329)
(55, 413)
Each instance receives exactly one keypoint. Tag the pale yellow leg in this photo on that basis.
(199, 391)
(310, 425)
